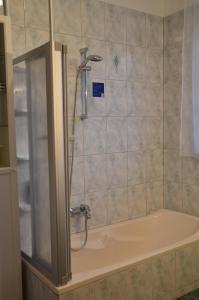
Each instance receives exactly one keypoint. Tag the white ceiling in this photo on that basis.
(156, 7)
(171, 6)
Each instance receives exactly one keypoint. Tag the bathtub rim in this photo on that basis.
(152, 215)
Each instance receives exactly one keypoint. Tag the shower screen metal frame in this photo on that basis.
(56, 92)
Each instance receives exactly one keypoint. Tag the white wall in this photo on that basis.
(156, 7)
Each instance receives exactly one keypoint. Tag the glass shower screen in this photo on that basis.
(40, 107)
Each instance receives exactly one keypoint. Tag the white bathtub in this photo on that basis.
(118, 246)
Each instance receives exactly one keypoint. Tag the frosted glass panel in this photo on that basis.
(23, 163)
(40, 106)
(33, 158)
(40, 172)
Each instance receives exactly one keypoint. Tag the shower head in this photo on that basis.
(94, 58)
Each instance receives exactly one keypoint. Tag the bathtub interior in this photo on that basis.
(131, 241)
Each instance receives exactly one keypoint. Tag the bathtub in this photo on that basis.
(120, 245)
(154, 257)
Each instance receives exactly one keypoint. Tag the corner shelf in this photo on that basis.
(22, 159)
(19, 69)
(20, 113)
(24, 207)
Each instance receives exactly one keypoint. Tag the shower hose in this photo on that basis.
(72, 162)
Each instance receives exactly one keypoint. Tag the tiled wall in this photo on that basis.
(181, 174)
(173, 38)
(164, 277)
(118, 168)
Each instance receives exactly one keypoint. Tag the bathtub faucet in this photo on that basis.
(82, 210)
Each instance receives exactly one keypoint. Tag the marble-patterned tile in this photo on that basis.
(139, 283)
(116, 102)
(136, 134)
(95, 173)
(136, 28)
(112, 287)
(93, 14)
(116, 137)
(155, 31)
(153, 133)
(154, 196)
(117, 169)
(171, 132)
(78, 138)
(74, 44)
(187, 264)
(98, 203)
(137, 201)
(144, 99)
(154, 165)
(172, 195)
(136, 63)
(96, 47)
(96, 105)
(77, 200)
(136, 168)
(136, 99)
(115, 30)
(173, 29)
(190, 170)
(68, 17)
(155, 66)
(173, 65)
(71, 97)
(164, 276)
(17, 12)
(35, 38)
(172, 165)
(83, 293)
(18, 40)
(154, 100)
(78, 176)
(116, 61)
(36, 289)
(117, 205)
(144, 133)
(172, 99)
(37, 15)
(190, 199)
(94, 136)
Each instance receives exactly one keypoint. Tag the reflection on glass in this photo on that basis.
(23, 165)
